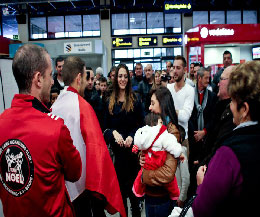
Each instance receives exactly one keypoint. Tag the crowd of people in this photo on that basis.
(71, 150)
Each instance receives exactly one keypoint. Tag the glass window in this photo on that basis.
(155, 22)
(120, 53)
(177, 51)
(157, 52)
(147, 52)
(233, 17)
(200, 17)
(10, 26)
(120, 24)
(249, 17)
(91, 25)
(130, 53)
(137, 53)
(56, 27)
(73, 26)
(170, 52)
(163, 52)
(164, 64)
(172, 23)
(217, 17)
(137, 23)
(38, 27)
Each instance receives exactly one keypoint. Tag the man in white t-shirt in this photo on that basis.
(183, 97)
(182, 93)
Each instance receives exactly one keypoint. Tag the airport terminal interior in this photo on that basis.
(146, 33)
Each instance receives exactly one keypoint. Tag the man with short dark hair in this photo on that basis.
(91, 95)
(182, 93)
(58, 79)
(169, 65)
(138, 76)
(144, 87)
(191, 74)
(98, 174)
(37, 151)
(227, 61)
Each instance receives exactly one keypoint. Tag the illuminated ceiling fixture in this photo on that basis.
(132, 19)
(72, 4)
(52, 5)
(32, 7)
(93, 4)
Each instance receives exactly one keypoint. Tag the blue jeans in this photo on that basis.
(158, 206)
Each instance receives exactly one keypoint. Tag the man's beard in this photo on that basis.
(178, 78)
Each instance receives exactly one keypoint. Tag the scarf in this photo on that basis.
(200, 108)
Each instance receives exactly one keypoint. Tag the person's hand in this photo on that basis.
(198, 135)
(180, 203)
(128, 141)
(196, 162)
(201, 174)
(182, 157)
(142, 160)
(118, 138)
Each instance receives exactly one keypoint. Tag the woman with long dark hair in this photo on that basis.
(123, 116)
(157, 199)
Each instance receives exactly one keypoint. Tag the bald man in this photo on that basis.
(223, 118)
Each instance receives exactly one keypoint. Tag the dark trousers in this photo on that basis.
(86, 205)
(158, 206)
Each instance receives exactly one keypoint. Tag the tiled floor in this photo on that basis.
(108, 215)
(129, 212)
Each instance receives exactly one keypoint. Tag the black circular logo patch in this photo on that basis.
(16, 167)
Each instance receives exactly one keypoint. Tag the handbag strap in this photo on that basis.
(161, 131)
(187, 206)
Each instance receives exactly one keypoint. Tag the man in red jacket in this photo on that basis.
(36, 151)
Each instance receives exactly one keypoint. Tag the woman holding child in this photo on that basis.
(157, 198)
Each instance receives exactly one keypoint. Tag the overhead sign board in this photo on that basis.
(78, 47)
(223, 33)
(172, 40)
(122, 42)
(147, 41)
(178, 6)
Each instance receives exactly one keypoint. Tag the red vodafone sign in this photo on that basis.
(223, 33)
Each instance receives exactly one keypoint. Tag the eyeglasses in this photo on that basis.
(222, 79)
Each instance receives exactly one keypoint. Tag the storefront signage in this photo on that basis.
(177, 7)
(78, 47)
(172, 40)
(223, 33)
(205, 32)
(122, 42)
(147, 41)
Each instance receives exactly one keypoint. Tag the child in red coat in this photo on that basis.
(155, 141)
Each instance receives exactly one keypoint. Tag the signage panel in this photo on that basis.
(122, 42)
(172, 40)
(78, 47)
(223, 33)
(177, 6)
(147, 41)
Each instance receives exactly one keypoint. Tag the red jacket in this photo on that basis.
(36, 156)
